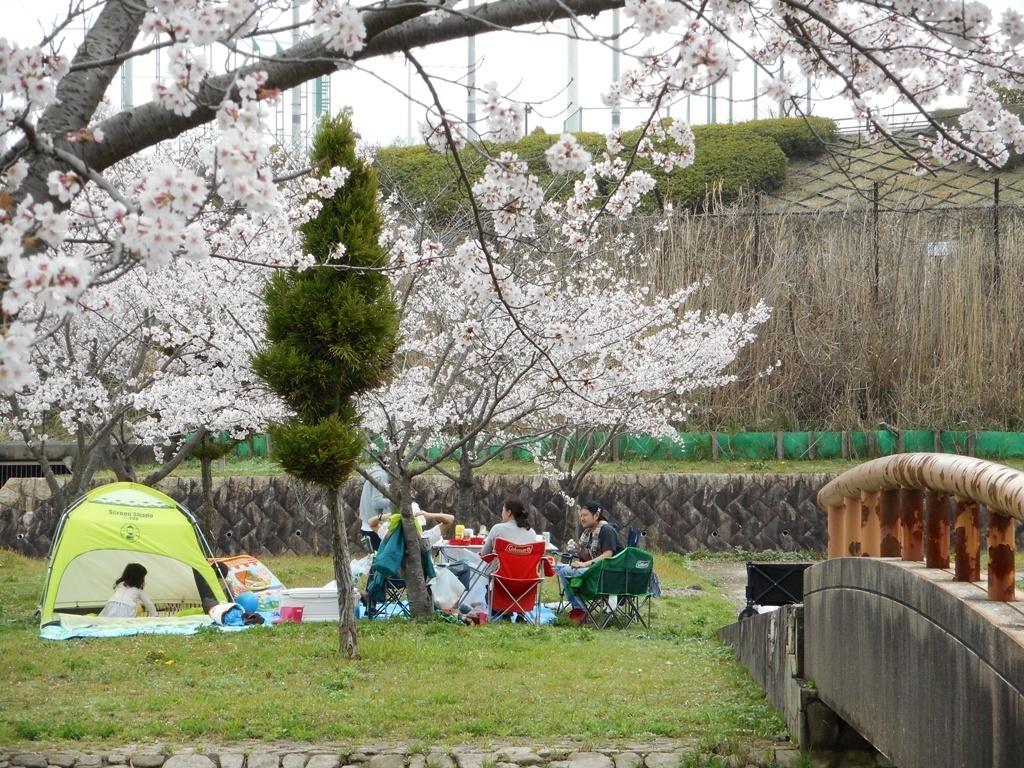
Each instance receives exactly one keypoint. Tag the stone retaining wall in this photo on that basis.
(681, 513)
(661, 754)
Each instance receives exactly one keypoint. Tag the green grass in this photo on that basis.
(419, 681)
(262, 466)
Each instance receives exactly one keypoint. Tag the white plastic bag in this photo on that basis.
(476, 596)
(361, 567)
(447, 590)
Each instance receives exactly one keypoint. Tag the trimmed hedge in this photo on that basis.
(430, 180)
(730, 158)
(425, 179)
(797, 137)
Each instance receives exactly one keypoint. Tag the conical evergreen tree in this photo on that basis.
(331, 333)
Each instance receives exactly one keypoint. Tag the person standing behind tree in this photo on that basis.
(374, 506)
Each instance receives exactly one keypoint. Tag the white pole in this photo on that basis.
(616, 117)
(408, 103)
(755, 90)
(127, 95)
(297, 90)
(573, 118)
(730, 99)
(471, 81)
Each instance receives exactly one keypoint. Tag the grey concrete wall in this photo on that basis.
(771, 646)
(681, 513)
(768, 645)
(925, 668)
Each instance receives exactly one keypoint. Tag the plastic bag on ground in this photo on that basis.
(447, 590)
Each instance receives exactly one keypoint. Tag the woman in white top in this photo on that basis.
(514, 527)
(124, 603)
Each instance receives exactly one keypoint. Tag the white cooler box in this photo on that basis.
(317, 603)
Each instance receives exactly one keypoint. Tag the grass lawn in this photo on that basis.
(421, 682)
(263, 466)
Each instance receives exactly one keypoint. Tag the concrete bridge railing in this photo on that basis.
(899, 506)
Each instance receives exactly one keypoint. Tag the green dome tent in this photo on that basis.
(117, 524)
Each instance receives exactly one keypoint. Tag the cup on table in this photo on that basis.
(546, 536)
(460, 531)
(467, 533)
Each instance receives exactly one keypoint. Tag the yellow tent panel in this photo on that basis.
(122, 523)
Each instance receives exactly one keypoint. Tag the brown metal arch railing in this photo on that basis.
(898, 506)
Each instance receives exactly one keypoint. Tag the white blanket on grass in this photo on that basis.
(65, 626)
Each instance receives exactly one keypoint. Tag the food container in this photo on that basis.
(476, 540)
(292, 613)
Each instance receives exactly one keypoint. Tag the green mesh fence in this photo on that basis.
(915, 440)
(999, 445)
(748, 446)
(254, 446)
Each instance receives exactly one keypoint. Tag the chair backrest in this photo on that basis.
(513, 584)
(627, 573)
(636, 538)
(518, 561)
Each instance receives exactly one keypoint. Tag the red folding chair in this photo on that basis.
(515, 584)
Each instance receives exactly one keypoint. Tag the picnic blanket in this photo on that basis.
(67, 626)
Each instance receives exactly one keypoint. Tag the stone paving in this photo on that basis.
(661, 754)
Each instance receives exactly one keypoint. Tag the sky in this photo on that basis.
(529, 67)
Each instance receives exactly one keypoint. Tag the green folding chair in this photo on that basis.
(617, 590)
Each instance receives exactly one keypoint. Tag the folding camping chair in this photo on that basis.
(385, 591)
(773, 584)
(515, 585)
(636, 538)
(617, 590)
(394, 601)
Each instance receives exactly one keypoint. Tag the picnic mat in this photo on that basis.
(67, 626)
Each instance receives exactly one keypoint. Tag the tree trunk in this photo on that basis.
(348, 636)
(570, 487)
(206, 466)
(466, 511)
(421, 604)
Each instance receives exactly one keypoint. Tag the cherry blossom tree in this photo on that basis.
(156, 358)
(555, 346)
(57, 143)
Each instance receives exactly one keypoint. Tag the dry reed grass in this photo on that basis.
(902, 318)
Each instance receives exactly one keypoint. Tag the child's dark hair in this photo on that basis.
(134, 576)
(515, 506)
